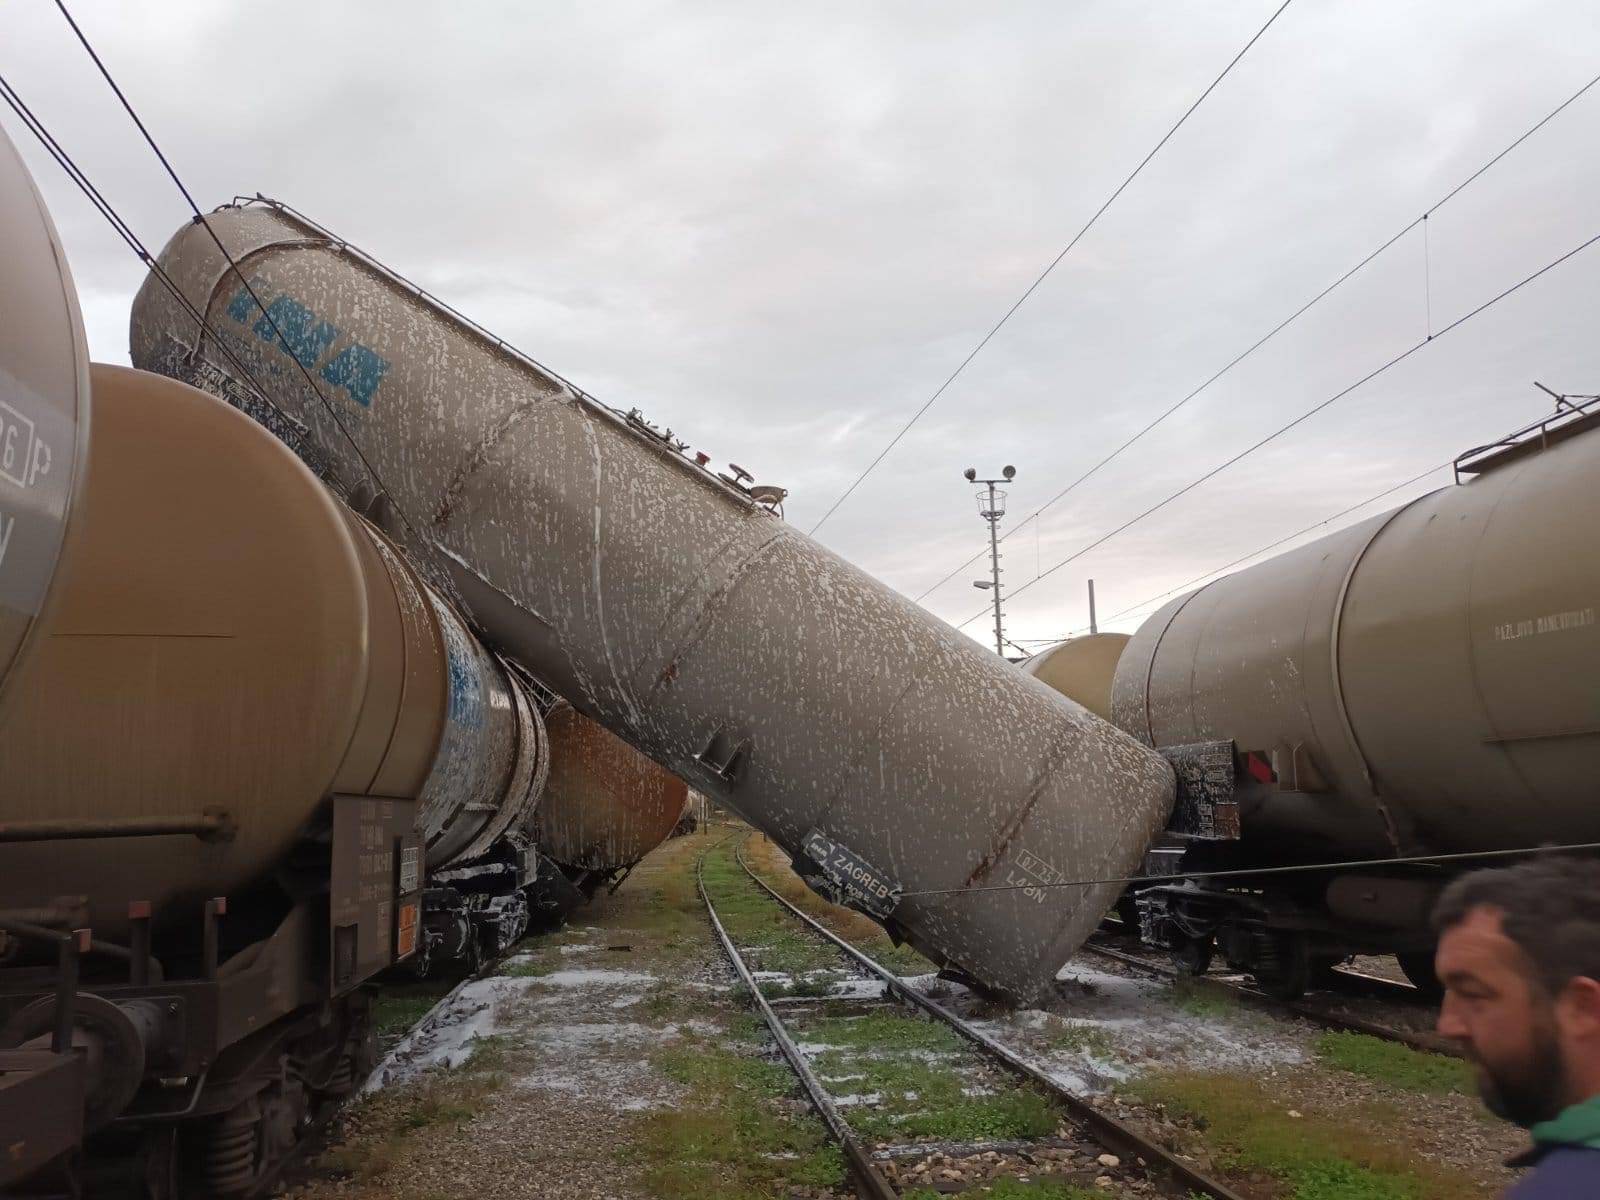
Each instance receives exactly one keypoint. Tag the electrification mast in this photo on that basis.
(991, 507)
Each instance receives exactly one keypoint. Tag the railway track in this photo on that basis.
(1308, 1009)
(1122, 1150)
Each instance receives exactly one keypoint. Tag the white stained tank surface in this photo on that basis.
(936, 784)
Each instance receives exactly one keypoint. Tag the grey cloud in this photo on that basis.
(778, 228)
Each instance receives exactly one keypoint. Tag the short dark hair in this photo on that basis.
(1549, 906)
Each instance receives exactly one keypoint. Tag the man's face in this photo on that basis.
(1502, 1019)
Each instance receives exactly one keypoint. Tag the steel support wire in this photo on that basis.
(1244, 558)
(1108, 1131)
(866, 1173)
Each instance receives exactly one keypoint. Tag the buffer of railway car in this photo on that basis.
(964, 1061)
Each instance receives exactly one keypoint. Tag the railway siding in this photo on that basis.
(1270, 1102)
(621, 1060)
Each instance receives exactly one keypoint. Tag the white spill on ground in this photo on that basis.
(444, 1037)
(603, 1059)
(1102, 1029)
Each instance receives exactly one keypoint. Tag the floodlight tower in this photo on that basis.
(991, 507)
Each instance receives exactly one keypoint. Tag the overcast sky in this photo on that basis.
(778, 227)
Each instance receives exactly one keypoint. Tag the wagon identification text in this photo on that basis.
(862, 883)
(1577, 618)
(1033, 875)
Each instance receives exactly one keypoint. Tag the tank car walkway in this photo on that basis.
(617, 1059)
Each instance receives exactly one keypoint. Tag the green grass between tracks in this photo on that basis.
(1396, 1065)
(741, 1133)
(1321, 1158)
(891, 1055)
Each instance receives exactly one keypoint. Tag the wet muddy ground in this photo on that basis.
(616, 1058)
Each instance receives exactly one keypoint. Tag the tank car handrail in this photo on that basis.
(632, 420)
(1567, 419)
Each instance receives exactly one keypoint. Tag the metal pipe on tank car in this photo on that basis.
(207, 826)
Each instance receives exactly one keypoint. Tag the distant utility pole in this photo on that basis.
(1093, 628)
(991, 507)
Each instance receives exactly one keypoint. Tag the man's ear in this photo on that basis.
(1578, 1007)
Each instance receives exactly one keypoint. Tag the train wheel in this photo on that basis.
(1283, 966)
(1192, 956)
(1417, 966)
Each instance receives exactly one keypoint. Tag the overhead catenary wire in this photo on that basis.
(1303, 417)
(123, 230)
(272, 323)
(1272, 333)
(1259, 550)
(1043, 275)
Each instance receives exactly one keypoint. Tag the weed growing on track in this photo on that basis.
(1084, 1039)
(1396, 1065)
(530, 969)
(866, 934)
(399, 1006)
(1198, 1000)
(731, 1138)
(886, 1031)
(761, 930)
(1321, 1158)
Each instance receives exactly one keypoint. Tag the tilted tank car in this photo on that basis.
(1418, 684)
(902, 766)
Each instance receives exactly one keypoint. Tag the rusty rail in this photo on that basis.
(867, 1174)
(1108, 1131)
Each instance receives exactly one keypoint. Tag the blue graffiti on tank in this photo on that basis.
(356, 368)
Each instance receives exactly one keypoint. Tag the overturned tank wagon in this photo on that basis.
(1420, 683)
(904, 767)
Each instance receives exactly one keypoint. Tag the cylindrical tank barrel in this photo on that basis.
(678, 611)
(229, 641)
(44, 410)
(606, 805)
(1420, 681)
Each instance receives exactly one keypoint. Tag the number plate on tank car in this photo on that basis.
(863, 884)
